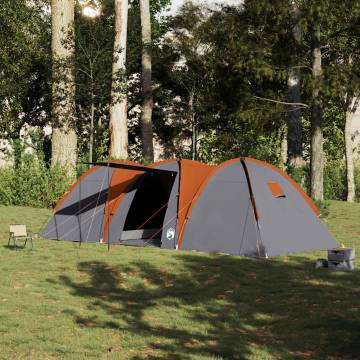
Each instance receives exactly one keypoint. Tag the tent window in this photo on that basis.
(276, 189)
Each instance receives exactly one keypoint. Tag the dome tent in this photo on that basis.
(248, 207)
(240, 207)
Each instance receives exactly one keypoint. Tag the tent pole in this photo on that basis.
(176, 238)
(253, 203)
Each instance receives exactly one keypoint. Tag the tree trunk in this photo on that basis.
(350, 180)
(147, 105)
(17, 146)
(64, 138)
(284, 146)
(91, 140)
(317, 161)
(118, 108)
(294, 135)
(92, 114)
(193, 126)
(194, 142)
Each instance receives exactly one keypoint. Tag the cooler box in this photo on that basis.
(341, 259)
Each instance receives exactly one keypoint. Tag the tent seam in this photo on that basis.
(253, 203)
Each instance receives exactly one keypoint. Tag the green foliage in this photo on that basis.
(32, 183)
(213, 78)
(300, 175)
(239, 140)
(25, 65)
(324, 208)
(335, 180)
(335, 170)
(357, 182)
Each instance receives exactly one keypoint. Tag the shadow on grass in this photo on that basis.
(17, 247)
(225, 307)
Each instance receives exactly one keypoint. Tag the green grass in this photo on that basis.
(62, 301)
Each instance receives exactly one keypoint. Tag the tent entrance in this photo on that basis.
(146, 215)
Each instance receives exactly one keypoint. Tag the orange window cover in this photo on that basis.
(276, 189)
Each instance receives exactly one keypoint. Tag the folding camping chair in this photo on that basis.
(19, 232)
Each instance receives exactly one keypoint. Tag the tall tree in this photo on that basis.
(146, 74)
(344, 61)
(189, 77)
(294, 136)
(94, 49)
(64, 138)
(351, 107)
(118, 108)
(317, 158)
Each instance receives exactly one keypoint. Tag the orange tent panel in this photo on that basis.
(192, 175)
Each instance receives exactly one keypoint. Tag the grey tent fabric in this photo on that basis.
(287, 223)
(80, 217)
(223, 218)
(169, 233)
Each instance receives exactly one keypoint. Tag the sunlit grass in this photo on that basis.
(62, 301)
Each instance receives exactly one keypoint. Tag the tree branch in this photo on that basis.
(302, 105)
(84, 72)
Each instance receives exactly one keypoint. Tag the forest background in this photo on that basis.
(90, 80)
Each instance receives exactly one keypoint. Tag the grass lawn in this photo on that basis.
(62, 301)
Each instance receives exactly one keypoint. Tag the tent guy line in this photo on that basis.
(97, 203)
